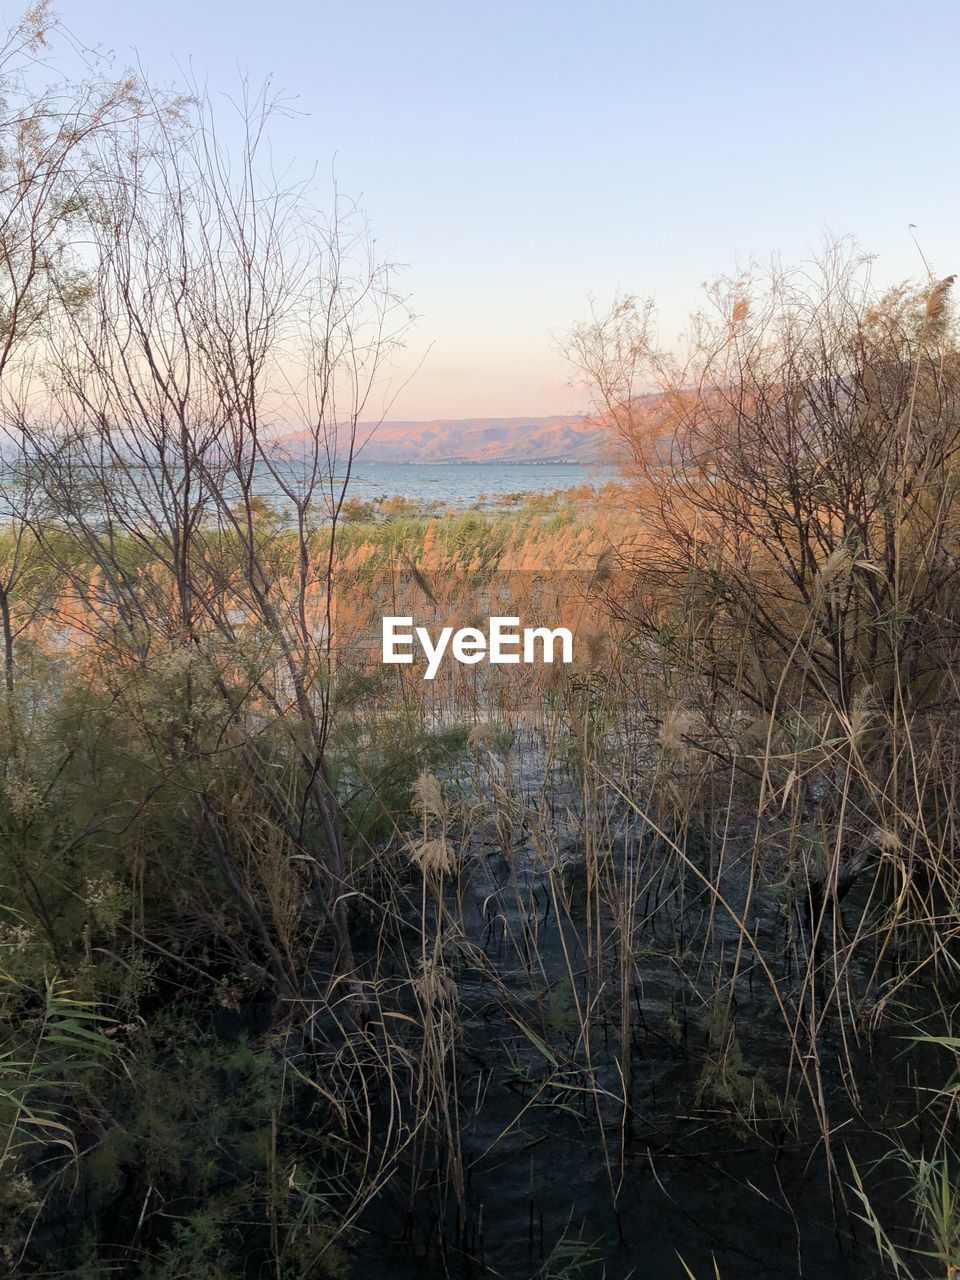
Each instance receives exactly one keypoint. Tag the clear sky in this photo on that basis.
(521, 158)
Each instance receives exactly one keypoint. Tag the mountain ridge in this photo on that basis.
(551, 438)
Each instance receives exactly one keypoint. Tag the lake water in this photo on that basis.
(435, 485)
(465, 484)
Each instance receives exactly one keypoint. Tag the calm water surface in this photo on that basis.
(465, 484)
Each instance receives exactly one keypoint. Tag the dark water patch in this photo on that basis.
(570, 1169)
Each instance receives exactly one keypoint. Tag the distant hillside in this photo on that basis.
(553, 439)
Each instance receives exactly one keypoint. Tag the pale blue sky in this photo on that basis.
(523, 157)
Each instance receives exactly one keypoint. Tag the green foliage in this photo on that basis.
(727, 1081)
(572, 1258)
(58, 1051)
(376, 768)
(561, 1008)
(201, 1127)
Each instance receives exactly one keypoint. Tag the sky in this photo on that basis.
(522, 159)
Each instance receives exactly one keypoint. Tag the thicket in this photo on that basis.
(292, 944)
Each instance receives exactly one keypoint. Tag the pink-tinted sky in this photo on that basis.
(521, 157)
